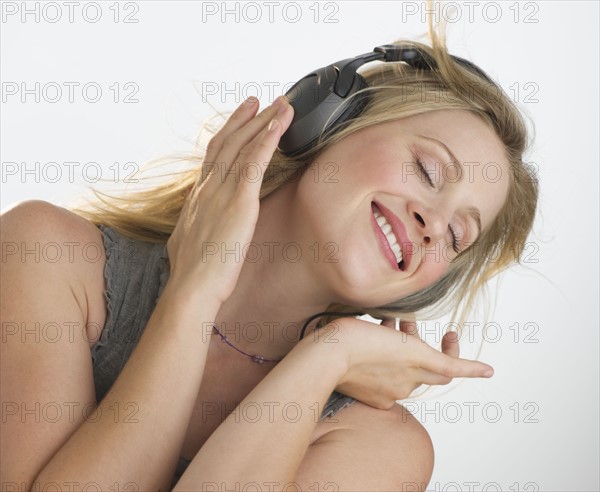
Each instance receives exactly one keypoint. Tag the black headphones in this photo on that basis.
(322, 99)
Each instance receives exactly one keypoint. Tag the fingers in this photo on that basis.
(228, 147)
(431, 378)
(450, 344)
(445, 365)
(409, 325)
(452, 367)
(256, 156)
(242, 114)
(245, 134)
(389, 323)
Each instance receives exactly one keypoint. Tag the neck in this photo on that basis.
(277, 290)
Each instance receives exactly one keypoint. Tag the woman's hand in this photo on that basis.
(385, 365)
(221, 211)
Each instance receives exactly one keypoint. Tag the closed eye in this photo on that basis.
(455, 246)
(423, 171)
(426, 175)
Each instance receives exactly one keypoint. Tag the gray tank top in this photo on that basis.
(136, 273)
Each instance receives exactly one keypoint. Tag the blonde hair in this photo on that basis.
(395, 90)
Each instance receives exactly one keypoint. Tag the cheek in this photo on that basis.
(433, 268)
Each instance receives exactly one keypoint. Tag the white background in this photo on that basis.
(546, 382)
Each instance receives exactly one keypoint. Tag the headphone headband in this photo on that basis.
(322, 99)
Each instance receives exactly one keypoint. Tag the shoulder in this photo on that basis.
(44, 304)
(43, 220)
(366, 448)
(46, 216)
(40, 234)
(395, 425)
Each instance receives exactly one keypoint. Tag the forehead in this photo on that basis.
(474, 144)
(468, 136)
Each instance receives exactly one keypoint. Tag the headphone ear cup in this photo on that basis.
(355, 104)
(318, 109)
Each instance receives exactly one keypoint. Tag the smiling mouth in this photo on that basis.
(393, 250)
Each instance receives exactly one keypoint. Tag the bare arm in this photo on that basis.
(264, 443)
(163, 375)
(161, 379)
(41, 374)
(265, 439)
(375, 447)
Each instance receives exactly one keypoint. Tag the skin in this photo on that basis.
(315, 210)
(379, 368)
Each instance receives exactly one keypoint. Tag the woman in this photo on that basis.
(409, 220)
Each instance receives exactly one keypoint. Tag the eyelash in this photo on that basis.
(424, 172)
(455, 246)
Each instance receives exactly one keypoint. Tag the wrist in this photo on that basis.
(325, 344)
(197, 303)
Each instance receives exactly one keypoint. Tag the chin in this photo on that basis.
(356, 283)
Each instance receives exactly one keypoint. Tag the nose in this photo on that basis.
(431, 225)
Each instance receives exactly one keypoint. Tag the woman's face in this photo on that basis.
(463, 159)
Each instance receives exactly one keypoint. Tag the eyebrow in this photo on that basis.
(472, 211)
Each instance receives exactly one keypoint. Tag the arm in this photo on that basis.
(367, 449)
(269, 448)
(374, 447)
(42, 372)
(163, 375)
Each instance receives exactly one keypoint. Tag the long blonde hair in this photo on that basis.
(396, 91)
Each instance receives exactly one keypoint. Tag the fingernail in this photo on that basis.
(273, 126)
(489, 373)
(282, 107)
(250, 101)
(277, 102)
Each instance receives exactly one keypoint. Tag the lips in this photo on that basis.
(399, 231)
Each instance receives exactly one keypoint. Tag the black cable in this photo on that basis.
(323, 313)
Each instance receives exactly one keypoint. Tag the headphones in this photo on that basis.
(325, 97)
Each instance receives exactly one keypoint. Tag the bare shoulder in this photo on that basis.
(39, 232)
(47, 289)
(365, 448)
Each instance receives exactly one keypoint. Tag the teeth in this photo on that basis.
(387, 230)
